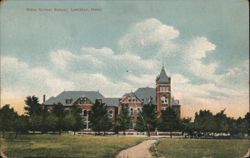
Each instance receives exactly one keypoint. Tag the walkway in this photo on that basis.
(139, 151)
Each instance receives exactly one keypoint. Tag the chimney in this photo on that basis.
(44, 98)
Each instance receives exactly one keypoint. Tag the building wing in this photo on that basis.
(72, 96)
(146, 94)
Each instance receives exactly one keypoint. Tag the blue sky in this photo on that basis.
(120, 47)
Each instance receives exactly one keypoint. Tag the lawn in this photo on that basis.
(198, 148)
(66, 146)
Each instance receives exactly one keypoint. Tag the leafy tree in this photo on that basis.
(44, 114)
(99, 118)
(35, 123)
(169, 121)
(247, 120)
(21, 125)
(147, 119)
(186, 126)
(221, 122)
(69, 122)
(51, 122)
(7, 119)
(123, 120)
(242, 126)
(76, 111)
(204, 121)
(233, 129)
(58, 111)
(32, 106)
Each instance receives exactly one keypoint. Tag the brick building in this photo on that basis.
(159, 96)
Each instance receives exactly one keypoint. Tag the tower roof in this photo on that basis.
(163, 78)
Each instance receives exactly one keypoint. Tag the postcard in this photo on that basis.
(124, 79)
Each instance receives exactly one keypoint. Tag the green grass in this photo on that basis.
(199, 148)
(66, 146)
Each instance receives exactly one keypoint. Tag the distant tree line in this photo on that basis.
(38, 118)
(205, 124)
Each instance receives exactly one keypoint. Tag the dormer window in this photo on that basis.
(83, 100)
(68, 101)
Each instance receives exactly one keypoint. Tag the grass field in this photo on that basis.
(66, 146)
(198, 148)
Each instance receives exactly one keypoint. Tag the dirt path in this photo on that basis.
(139, 151)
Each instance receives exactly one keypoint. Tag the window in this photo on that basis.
(110, 114)
(164, 89)
(85, 113)
(131, 111)
(164, 100)
(68, 101)
(129, 100)
(82, 100)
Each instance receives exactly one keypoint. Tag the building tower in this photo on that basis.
(163, 91)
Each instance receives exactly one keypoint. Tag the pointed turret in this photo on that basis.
(162, 78)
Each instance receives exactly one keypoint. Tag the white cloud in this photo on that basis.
(199, 47)
(145, 80)
(99, 82)
(149, 36)
(195, 51)
(20, 79)
(104, 60)
(61, 57)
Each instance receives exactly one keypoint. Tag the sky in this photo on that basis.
(116, 47)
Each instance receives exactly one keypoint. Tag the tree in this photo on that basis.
(186, 126)
(69, 122)
(21, 124)
(58, 111)
(99, 118)
(221, 122)
(76, 111)
(123, 120)
(242, 126)
(147, 119)
(35, 123)
(247, 120)
(169, 121)
(32, 106)
(204, 122)
(51, 122)
(7, 119)
(44, 114)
